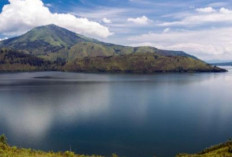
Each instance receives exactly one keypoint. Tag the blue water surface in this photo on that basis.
(131, 115)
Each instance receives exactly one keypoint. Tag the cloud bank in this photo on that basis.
(208, 44)
(203, 16)
(205, 33)
(21, 15)
(139, 20)
(206, 10)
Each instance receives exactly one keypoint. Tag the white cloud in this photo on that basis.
(203, 16)
(166, 30)
(48, 5)
(3, 38)
(139, 20)
(107, 21)
(21, 15)
(205, 44)
(225, 11)
(206, 10)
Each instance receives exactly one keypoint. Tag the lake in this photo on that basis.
(131, 115)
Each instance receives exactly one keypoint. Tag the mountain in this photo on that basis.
(223, 64)
(79, 53)
(44, 40)
(52, 42)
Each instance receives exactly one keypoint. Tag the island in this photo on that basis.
(52, 48)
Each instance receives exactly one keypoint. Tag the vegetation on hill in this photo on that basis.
(8, 151)
(11, 60)
(139, 63)
(59, 49)
(221, 150)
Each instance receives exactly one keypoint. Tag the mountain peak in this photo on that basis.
(50, 26)
(50, 29)
(45, 39)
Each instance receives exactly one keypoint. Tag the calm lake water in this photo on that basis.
(131, 115)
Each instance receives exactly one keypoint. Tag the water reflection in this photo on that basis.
(133, 115)
(32, 110)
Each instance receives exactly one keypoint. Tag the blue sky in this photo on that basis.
(201, 28)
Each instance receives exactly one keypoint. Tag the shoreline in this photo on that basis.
(220, 150)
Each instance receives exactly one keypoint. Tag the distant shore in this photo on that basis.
(220, 150)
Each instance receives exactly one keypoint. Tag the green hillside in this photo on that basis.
(44, 40)
(11, 60)
(52, 42)
(8, 151)
(79, 53)
(139, 63)
(221, 150)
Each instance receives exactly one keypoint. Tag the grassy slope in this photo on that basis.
(139, 63)
(11, 60)
(44, 40)
(8, 151)
(221, 150)
(99, 49)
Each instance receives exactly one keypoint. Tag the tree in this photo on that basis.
(3, 139)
